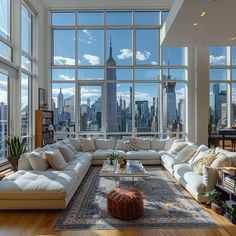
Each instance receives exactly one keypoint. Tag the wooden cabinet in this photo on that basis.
(44, 132)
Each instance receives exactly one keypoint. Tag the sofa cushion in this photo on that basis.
(67, 153)
(24, 163)
(130, 145)
(76, 143)
(105, 143)
(142, 154)
(170, 160)
(186, 153)
(37, 185)
(210, 176)
(38, 161)
(87, 145)
(176, 147)
(71, 147)
(120, 145)
(102, 154)
(55, 159)
(221, 161)
(143, 143)
(232, 155)
(201, 148)
(169, 143)
(157, 144)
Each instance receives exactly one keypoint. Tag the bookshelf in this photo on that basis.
(44, 133)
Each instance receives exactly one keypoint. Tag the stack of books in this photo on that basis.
(229, 178)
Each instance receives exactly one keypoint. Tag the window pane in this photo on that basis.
(217, 56)
(164, 16)
(233, 104)
(147, 50)
(26, 39)
(119, 107)
(147, 74)
(26, 63)
(91, 47)
(119, 47)
(124, 74)
(173, 56)
(90, 18)
(218, 74)
(90, 108)
(5, 51)
(218, 106)
(118, 18)
(147, 107)
(174, 107)
(64, 47)
(234, 74)
(63, 18)
(147, 18)
(233, 55)
(3, 115)
(175, 74)
(63, 106)
(5, 19)
(24, 104)
(63, 74)
(91, 74)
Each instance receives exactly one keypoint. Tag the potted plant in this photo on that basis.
(16, 147)
(217, 204)
(113, 157)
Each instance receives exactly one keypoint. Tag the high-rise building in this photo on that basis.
(112, 119)
(60, 104)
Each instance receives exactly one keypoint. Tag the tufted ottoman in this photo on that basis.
(125, 203)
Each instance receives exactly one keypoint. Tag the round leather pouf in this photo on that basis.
(125, 203)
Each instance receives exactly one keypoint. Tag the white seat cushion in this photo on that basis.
(169, 160)
(142, 155)
(102, 154)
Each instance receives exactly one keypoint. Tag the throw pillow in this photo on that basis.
(55, 159)
(76, 143)
(67, 153)
(130, 145)
(105, 144)
(87, 145)
(210, 176)
(38, 161)
(71, 147)
(120, 145)
(221, 161)
(231, 155)
(143, 143)
(201, 148)
(24, 163)
(169, 143)
(206, 160)
(158, 144)
(186, 153)
(202, 154)
(176, 147)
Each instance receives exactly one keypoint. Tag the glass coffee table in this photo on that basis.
(134, 169)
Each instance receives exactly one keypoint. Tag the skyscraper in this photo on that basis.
(112, 120)
(60, 104)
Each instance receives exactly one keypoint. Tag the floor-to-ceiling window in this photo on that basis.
(109, 74)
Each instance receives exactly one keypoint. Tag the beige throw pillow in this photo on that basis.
(67, 153)
(105, 144)
(24, 163)
(87, 145)
(71, 147)
(169, 143)
(120, 145)
(176, 147)
(76, 143)
(221, 161)
(143, 143)
(186, 153)
(210, 176)
(55, 159)
(38, 161)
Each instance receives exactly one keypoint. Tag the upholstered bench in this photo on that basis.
(125, 203)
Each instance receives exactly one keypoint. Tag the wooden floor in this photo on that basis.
(24, 223)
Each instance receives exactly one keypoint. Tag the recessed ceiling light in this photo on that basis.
(203, 13)
(195, 24)
(232, 39)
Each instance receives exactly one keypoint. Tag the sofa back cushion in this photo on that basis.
(157, 144)
(143, 143)
(87, 145)
(24, 163)
(186, 153)
(38, 161)
(67, 153)
(120, 145)
(71, 147)
(105, 144)
(177, 146)
(169, 143)
(55, 159)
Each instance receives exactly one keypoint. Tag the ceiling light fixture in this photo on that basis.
(203, 13)
(195, 24)
(232, 39)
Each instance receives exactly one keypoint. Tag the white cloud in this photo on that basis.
(3, 97)
(180, 94)
(154, 63)
(142, 56)
(64, 77)
(93, 60)
(219, 60)
(63, 60)
(89, 37)
(124, 54)
(144, 97)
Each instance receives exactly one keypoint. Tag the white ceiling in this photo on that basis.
(105, 4)
(217, 27)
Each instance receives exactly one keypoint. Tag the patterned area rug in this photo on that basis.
(165, 203)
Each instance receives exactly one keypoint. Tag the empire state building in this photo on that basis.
(112, 119)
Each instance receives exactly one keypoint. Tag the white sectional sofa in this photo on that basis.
(39, 186)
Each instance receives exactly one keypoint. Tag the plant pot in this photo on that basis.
(14, 162)
(217, 208)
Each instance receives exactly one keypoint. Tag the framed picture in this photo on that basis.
(41, 98)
